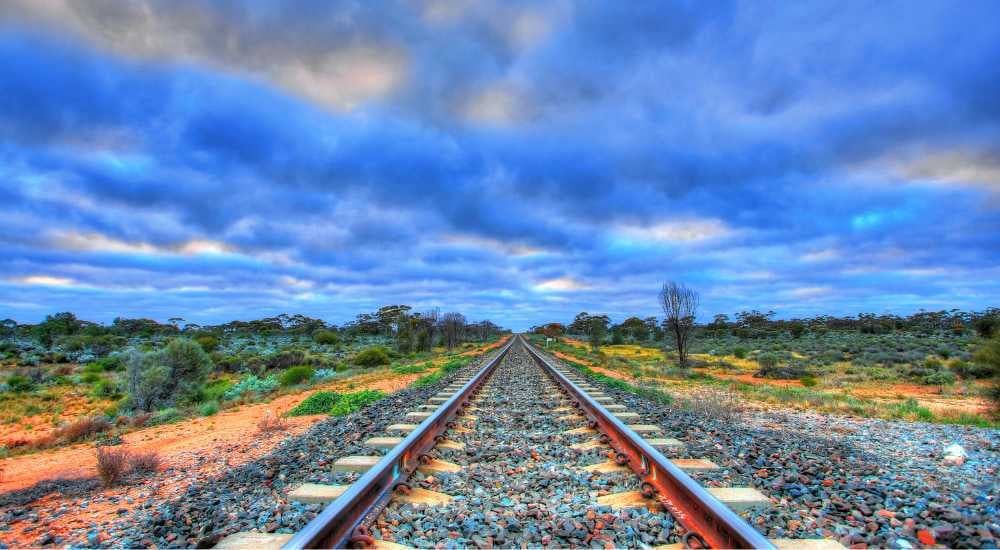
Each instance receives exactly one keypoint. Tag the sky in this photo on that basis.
(516, 161)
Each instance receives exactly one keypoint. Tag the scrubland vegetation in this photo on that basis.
(66, 380)
(881, 366)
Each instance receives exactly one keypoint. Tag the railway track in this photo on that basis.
(523, 453)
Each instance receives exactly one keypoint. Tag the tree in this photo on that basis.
(680, 305)
(989, 356)
(597, 328)
(452, 329)
(164, 378)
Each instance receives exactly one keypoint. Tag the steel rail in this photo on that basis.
(342, 522)
(688, 502)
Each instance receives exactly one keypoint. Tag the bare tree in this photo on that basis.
(680, 305)
(452, 329)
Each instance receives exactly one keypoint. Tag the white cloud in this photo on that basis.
(680, 231)
(43, 280)
(561, 284)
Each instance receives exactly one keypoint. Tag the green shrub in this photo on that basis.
(207, 342)
(740, 352)
(372, 357)
(940, 378)
(350, 402)
(411, 369)
(252, 384)
(209, 408)
(427, 380)
(215, 389)
(105, 388)
(90, 377)
(93, 368)
(320, 402)
(20, 384)
(164, 378)
(165, 416)
(110, 363)
(325, 337)
(932, 363)
(296, 375)
(808, 381)
(911, 410)
(455, 364)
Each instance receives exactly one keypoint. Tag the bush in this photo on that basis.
(20, 384)
(411, 369)
(740, 353)
(210, 408)
(940, 378)
(105, 389)
(252, 384)
(285, 359)
(372, 357)
(296, 375)
(350, 402)
(207, 342)
(324, 374)
(89, 377)
(808, 381)
(82, 429)
(271, 422)
(167, 377)
(144, 463)
(95, 367)
(325, 337)
(165, 416)
(112, 464)
(216, 389)
(318, 403)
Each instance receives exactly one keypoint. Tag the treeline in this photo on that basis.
(753, 324)
(409, 331)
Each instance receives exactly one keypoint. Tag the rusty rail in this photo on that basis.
(690, 504)
(342, 522)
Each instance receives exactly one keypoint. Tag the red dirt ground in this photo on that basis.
(190, 451)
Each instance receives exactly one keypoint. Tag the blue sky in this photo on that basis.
(517, 161)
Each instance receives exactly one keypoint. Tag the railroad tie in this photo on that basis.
(666, 443)
(438, 400)
(355, 463)
(738, 499)
(418, 415)
(607, 467)
(430, 407)
(249, 540)
(419, 495)
(625, 415)
(582, 430)
(644, 428)
(570, 418)
(316, 493)
(602, 399)
(401, 428)
(383, 442)
(695, 464)
(614, 407)
(438, 466)
(781, 544)
(450, 444)
(587, 445)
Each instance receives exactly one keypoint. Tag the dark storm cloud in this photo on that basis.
(551, 158)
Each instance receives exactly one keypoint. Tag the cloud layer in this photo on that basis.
(515, 161)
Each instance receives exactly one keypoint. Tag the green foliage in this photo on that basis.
(296, 375)
(767, 361)
(207, 342)
(411, 369)
(89, 377)
(740, 352)
(215, 389)
(105, 389)
(252, 384)
(326, 337)
(911, 410)
(455, 364)
(372, 357)
(110, 363)
(808, 381)
(209, 408)
(20, 384)
(351, 402)
(165, 378)
(320, 402)
(165, 416)
(428, 380)
(93, 368)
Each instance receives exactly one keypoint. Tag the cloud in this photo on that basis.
(43, 280)
(516, 160)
